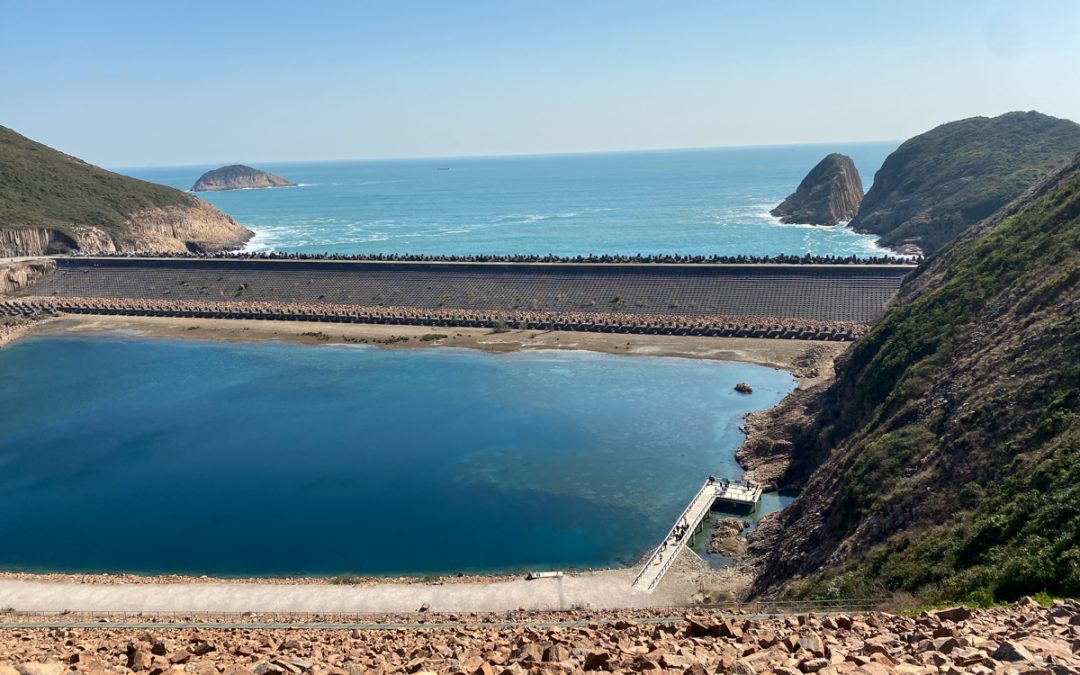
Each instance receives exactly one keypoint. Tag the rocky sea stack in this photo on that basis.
(238, 177)
(831, 193)
(55, 203)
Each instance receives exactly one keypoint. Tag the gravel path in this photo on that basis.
(597, 590)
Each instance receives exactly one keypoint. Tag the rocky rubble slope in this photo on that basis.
(830, 193)
(1024, 638)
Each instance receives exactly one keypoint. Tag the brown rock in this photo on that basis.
(597, 660)
(675, 661)
(813, 644)
(696, 628)
(138, 659)
(1012, 651)
(39, 669)
(744, 667)
(813, 665)
(954, 614)
(556, 653)
(726, 629)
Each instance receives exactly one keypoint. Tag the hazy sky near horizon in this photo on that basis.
(133, 83)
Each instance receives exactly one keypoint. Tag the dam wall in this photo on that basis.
(815, 293)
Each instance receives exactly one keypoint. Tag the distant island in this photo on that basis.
(830, 193)
(238, 177)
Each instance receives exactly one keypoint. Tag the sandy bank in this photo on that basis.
(601, 589)
(789, 355)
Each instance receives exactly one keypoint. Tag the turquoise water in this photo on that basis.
(121, 453)
(697, 202)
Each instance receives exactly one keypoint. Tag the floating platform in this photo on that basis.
(742, 497)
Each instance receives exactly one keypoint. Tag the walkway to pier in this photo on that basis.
(738, 495)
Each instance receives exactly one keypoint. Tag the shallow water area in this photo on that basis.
(199, 457)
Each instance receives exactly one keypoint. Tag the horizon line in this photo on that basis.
(505, 155)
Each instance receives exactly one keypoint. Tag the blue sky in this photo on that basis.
(162, 82)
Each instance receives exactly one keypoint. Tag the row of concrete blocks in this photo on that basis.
(726, 331)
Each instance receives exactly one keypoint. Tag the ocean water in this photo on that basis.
(159, 456)
(659, 202)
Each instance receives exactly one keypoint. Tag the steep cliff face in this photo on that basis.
(937, 184)
(945, 459)
(21, 275)
(51, 202)
(830, 193)
(237, 177)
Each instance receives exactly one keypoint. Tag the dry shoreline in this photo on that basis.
(774, 353)
(809, 361)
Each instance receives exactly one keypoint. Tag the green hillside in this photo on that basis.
(41, 187)
(937, 184)
(946, 457)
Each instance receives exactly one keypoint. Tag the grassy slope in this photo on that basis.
(41, 187)
(951, 439)
(937, 184)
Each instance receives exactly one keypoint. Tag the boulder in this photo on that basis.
(954, 614)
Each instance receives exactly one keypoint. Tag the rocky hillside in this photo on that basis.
(937, 184)
(945, 458)
(237, 177)
(829, 194)
(1024, 638)
(52, 202)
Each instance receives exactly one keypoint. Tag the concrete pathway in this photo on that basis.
(596, 590)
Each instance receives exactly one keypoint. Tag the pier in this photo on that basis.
(735, 496)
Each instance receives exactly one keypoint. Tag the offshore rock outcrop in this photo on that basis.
(55, 203)
(831, 193)
(238, 177)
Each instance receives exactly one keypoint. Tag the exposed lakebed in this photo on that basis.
(198, 457)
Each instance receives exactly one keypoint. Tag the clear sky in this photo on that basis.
(152, 82)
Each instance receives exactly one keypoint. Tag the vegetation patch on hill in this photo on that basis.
(945, 460)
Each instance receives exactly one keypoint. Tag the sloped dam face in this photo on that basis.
(157, 456)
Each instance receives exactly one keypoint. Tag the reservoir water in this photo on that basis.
(162, 456)
(697, 202)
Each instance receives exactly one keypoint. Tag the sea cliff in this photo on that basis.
(54, 203)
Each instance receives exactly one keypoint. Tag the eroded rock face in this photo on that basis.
(21, 275)
(831, 193)
(237, 177)
(198, 227)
